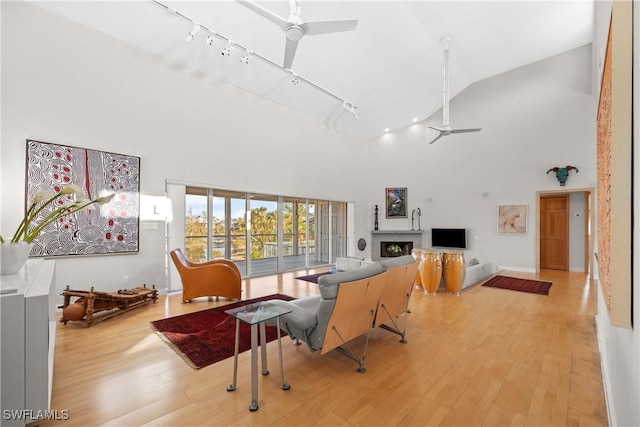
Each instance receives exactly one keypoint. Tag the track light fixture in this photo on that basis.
(350, 108)
(246, 57)
(193, 33)
(249, 55)
(226, 51)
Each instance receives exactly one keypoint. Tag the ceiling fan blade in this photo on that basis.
(289, 53)
(465, 130)
(436, 138)
(265, 13)
(324, 27)
(436, 128)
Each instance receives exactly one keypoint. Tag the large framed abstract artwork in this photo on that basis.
(108, 229)
(615, 168)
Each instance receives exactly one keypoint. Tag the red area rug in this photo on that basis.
(522, 285)
(208, 336)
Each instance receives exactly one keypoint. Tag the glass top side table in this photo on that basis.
(256, 315)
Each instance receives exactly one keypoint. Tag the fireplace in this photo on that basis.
(394, 236)
(394, 249)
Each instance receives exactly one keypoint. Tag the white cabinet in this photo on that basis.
(27, 331)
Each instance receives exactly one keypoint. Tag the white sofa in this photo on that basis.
(477, 272)
(350, 263)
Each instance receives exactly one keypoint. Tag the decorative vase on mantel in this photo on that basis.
(13, 256)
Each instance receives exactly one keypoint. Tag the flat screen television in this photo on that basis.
(449, 238)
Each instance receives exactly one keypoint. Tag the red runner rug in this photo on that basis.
(208, 336)
(522, 285)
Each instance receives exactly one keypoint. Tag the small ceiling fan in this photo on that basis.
(446, 130)
(295, 28)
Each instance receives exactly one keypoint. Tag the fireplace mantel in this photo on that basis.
(377, 236)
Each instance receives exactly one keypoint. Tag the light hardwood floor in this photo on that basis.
(487, 357)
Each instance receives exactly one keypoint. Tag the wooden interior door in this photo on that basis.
(554, 232)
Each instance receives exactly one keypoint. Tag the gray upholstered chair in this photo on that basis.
(345, 310)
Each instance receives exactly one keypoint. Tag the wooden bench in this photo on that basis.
(91, 302)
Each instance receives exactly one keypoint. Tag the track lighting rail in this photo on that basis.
(348, 106)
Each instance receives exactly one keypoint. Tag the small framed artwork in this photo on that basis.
(512, 219)
(396, 202)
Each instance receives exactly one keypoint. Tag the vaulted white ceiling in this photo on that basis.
(390, 67)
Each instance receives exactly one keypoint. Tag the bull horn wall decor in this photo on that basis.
(562, 173)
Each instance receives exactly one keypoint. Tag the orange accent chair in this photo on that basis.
(217, 278)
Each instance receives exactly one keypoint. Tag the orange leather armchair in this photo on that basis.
(219, 277)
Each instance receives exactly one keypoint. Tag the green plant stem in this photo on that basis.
(52, 217)
(37, 206)
(23, 228)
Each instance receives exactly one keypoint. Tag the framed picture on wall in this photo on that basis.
(396, 202)
(107, 229)
(512, 219)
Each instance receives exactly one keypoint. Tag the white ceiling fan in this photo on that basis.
(446, 130)
(295, 28)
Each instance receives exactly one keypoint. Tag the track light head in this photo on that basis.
(246, 58)
(210, 39)
(193, 33)
(226, 51)
(350, 108)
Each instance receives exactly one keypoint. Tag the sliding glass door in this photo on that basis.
(196, 227)
(229, 236)
(262, 234)
(332, 230)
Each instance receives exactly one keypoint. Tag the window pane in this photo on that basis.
(196, 215)
(264, 227)
(290, 237)
(196, 249)
(218, 240)
(238, 230)
(196, 226)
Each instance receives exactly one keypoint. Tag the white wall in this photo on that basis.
(66, 84)
(577, 221)
(533, 118)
